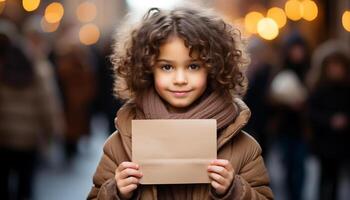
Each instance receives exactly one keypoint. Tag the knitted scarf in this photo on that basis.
(212, 105)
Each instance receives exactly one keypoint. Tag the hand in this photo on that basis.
(127, 176)
(221, 174)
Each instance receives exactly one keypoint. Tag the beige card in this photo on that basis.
(174, 151)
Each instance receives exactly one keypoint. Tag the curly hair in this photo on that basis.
(218, 45)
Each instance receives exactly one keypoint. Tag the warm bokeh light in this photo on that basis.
(294, 10)
(54, 12)
(48, 27)
(310, 10)
(89, 34)
(30, 5)
(86, 12)
(251, 20)
(278, 15)
(346, 20)
(2, 5)
(268, 28)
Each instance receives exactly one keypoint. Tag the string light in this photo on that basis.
(30, 5)
(310, 10)
(251, 20)
(89, 34)
(268, 28)
(294, 10)
(54, 12)
(2, 5)
(86, 12)
(346, 20)
(278, 15)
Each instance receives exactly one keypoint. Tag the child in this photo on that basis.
(182, 64)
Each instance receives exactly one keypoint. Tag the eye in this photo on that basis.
(166, 67)
(194, 66)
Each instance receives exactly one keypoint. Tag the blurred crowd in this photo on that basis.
(51, 88)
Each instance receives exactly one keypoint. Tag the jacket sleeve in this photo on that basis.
(104, 184)
(251, 181)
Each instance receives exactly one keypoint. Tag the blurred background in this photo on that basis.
(57, 108)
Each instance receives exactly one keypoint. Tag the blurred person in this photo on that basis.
(288, 94)
(259, 74)
(25, 120)
(77, 84)
(107, 103)
(37, 49)
(329, 112)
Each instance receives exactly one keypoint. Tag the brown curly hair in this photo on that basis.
(218, 45)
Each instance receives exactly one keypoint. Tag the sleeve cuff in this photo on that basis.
(109, 191)
(235, 191)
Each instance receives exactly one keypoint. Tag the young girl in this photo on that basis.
(182, 64)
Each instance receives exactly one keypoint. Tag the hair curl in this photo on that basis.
(218, 45)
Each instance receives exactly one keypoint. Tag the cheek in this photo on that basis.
(159, 82)
(201, 81)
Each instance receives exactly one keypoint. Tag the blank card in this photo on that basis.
(174, 151)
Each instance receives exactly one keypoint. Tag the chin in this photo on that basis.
(180, 105)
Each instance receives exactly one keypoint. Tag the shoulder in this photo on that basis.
(112, 148)
(246, 147)
(246, 139)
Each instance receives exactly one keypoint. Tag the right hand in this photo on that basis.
(127, 176)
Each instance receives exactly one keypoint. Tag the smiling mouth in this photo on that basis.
(180, 93)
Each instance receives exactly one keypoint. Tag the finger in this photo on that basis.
(219, 170)
(219, 188)
(130, 172)
(128, 181)
(223, 163)
(217, 178)
(125, 165)
(128, 189)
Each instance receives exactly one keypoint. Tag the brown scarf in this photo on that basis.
(214, 105)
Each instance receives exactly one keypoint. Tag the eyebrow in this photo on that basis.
(170, 61)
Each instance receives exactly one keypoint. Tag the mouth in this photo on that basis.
(180, 93)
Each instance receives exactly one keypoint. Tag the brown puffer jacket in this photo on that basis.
(251, 180)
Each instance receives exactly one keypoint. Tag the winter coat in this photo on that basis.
(324, 103)
(244, 153)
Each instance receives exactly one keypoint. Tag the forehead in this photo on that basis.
(174, 47)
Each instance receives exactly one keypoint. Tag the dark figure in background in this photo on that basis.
(106, 101)
(259, 74)
(24, 120)
(329, 115)
(288, 97)
(77, 81)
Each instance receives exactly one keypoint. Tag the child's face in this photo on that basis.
(178, 78)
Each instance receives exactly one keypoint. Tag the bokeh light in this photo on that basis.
(251, 20)
(86, 11)
(54, 12)
(268, 28)
(89, 34)
(310, 10)
(346, 20)
(30, 5)
(278, 15)
(2, 5)
(294, 10)
(48, 27)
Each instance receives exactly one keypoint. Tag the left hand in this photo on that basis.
(221, 174)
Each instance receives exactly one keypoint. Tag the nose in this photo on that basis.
(180, 77)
